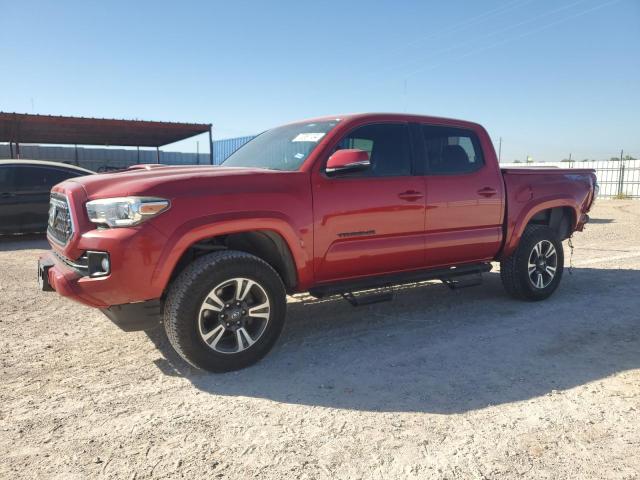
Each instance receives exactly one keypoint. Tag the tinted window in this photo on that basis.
(282, 148)
(40, 179)
(451, 150)
(55, 176)
(5, 179)
(387, 145)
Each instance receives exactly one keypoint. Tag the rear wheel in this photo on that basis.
(225, 311)
(534, 270)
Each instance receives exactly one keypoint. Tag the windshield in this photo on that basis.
(282, 148)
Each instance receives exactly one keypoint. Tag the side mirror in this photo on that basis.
(348, 160)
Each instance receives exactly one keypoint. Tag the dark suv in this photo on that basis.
(24, 193)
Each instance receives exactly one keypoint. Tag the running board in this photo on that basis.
(443, 274)
(367, 299)
(472, 280)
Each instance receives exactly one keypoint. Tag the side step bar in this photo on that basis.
(471, 280)
(446, 275)
(367, 299)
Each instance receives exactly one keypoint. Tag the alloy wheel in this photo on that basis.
(543, 263)
(234, 315)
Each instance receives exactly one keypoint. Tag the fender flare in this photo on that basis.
(202, 228)
(530, 210)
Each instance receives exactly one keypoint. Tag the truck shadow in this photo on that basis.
(441, 351)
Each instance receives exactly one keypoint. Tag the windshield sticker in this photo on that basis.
(299, 155)
(308, 137)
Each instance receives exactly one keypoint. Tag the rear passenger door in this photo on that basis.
(463, 198)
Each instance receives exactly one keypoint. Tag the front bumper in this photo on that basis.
(112, 269)
(55, 275)
(132, 255)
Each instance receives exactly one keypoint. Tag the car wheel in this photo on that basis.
(534, 270)
(225, 311)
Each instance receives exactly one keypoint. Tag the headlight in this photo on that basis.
(125, 211)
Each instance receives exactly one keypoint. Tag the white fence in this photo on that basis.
(617, 179)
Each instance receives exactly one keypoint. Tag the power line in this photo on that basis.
(517, 37)
(469, 21)
(459, 26)
(489, 35)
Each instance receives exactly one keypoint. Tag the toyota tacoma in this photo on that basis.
(328, 206)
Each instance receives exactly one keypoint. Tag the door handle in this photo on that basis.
(487, 192)
(7, 194)
(411, 195)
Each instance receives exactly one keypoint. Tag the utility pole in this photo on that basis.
(500, 150)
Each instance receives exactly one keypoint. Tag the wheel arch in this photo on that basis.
(560, 219)
(559, 214)
(274, 241)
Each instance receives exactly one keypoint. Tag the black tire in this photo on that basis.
(183, 316)
(514, 270)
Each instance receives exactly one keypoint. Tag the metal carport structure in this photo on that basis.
(16, 128)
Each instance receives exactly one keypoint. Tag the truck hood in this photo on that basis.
(160, 180)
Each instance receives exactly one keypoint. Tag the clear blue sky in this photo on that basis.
(549, 77)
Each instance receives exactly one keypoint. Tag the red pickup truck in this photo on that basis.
(330, 206)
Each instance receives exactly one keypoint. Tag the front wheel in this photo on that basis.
(534, 270)
(225, 311)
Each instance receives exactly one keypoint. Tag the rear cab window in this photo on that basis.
(451, 151)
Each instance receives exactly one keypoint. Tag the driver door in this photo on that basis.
(370, 222)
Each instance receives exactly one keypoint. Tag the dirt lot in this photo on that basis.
(437, 384)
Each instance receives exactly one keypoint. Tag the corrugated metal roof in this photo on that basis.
(29, 128)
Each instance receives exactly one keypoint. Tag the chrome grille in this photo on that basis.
(60, 226)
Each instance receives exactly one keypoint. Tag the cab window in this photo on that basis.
(388, 147)
(451, 150)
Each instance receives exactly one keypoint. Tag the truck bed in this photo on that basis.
(533, 189)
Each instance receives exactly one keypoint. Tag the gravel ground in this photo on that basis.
(437, 384)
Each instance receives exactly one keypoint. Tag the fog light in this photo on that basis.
(98, 263)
